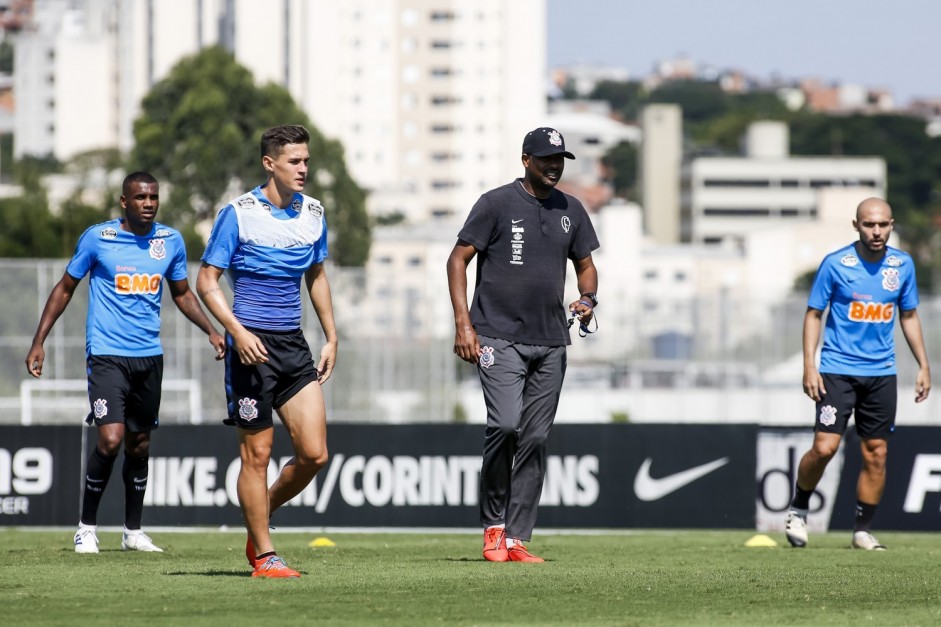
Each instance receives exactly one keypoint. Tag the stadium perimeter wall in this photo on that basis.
(599, 476)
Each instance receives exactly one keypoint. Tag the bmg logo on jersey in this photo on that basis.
(871, 312)
(137, 283)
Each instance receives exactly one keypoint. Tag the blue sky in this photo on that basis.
(877, 43)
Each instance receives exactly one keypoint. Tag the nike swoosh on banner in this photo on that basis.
(649, 489)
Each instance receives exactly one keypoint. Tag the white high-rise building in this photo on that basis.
(431, 98)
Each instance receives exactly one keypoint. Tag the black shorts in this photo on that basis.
(125, 389)
(252, 392)
(871, 400)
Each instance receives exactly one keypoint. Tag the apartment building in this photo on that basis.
(431, 98)
(724, 198)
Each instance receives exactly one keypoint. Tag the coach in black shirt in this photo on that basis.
(523, 235)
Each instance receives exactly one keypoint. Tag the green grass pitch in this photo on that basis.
(640, 578)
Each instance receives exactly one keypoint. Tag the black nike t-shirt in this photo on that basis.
(523, 246)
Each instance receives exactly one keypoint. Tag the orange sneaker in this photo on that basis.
(495, 544)
(275, 568)
(250, 551)
(518, 553)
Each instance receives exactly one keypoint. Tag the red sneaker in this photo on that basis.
(518, 553)
(495, 544)
(275, 568)
(250, 551)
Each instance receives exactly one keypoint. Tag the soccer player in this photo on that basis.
(269, 239)
(128, 260)
(867, 285)
(523, 235)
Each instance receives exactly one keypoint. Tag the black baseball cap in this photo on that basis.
(545, 142)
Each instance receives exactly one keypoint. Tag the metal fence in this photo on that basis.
(390, 378)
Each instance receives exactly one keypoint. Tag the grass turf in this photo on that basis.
(645, 578)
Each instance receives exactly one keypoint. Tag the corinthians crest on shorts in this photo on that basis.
(486, 356)
(100, 408)
(248, 409)
(827, 415)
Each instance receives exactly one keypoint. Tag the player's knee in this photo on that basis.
(109, 445)
(825, 450)
(315, 459)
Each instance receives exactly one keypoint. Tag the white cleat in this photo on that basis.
(796, 529)
(138, 541)
(866, 541)
(86, 541)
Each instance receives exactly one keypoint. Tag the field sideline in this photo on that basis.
(642, 577)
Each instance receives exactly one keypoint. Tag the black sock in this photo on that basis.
(264, 556)
(801, 497)
(134, 472)
(864, 515)
(96, 480)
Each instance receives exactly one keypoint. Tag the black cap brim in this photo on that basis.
(564, 153)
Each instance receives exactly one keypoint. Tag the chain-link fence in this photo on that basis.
(718, 343)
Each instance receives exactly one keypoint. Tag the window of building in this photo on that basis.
(441, 72)
(790, 212)
(409, 101)
(414, 261)
(441, 44)
(440, 101)
(411, 73)
(821, 183)
(737, 212)
(441, 213)
(736, 183)
(442, 16)
(650, 275)
(442, 128)
(385, 260)
(790, 183)
(442, 185)
(679, 276)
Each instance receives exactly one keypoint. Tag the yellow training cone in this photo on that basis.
(321, 542)
(761, 540)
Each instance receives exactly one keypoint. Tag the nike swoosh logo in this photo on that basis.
(516, 221)
(649, 489)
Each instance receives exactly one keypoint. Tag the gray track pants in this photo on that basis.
(521, 388)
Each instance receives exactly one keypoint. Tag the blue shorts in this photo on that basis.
(252, 392)
(125, 390)
(871, 400)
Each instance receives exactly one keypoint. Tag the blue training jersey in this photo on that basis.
(864, 300)
(267, 250)
(125, 285)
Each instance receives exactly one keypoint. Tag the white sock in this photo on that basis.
(82, 525)
(132, 532)
(511, 542)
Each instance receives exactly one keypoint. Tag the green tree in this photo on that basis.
(199, 132)
(625, 97)
(6, 57)
(621, 165)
